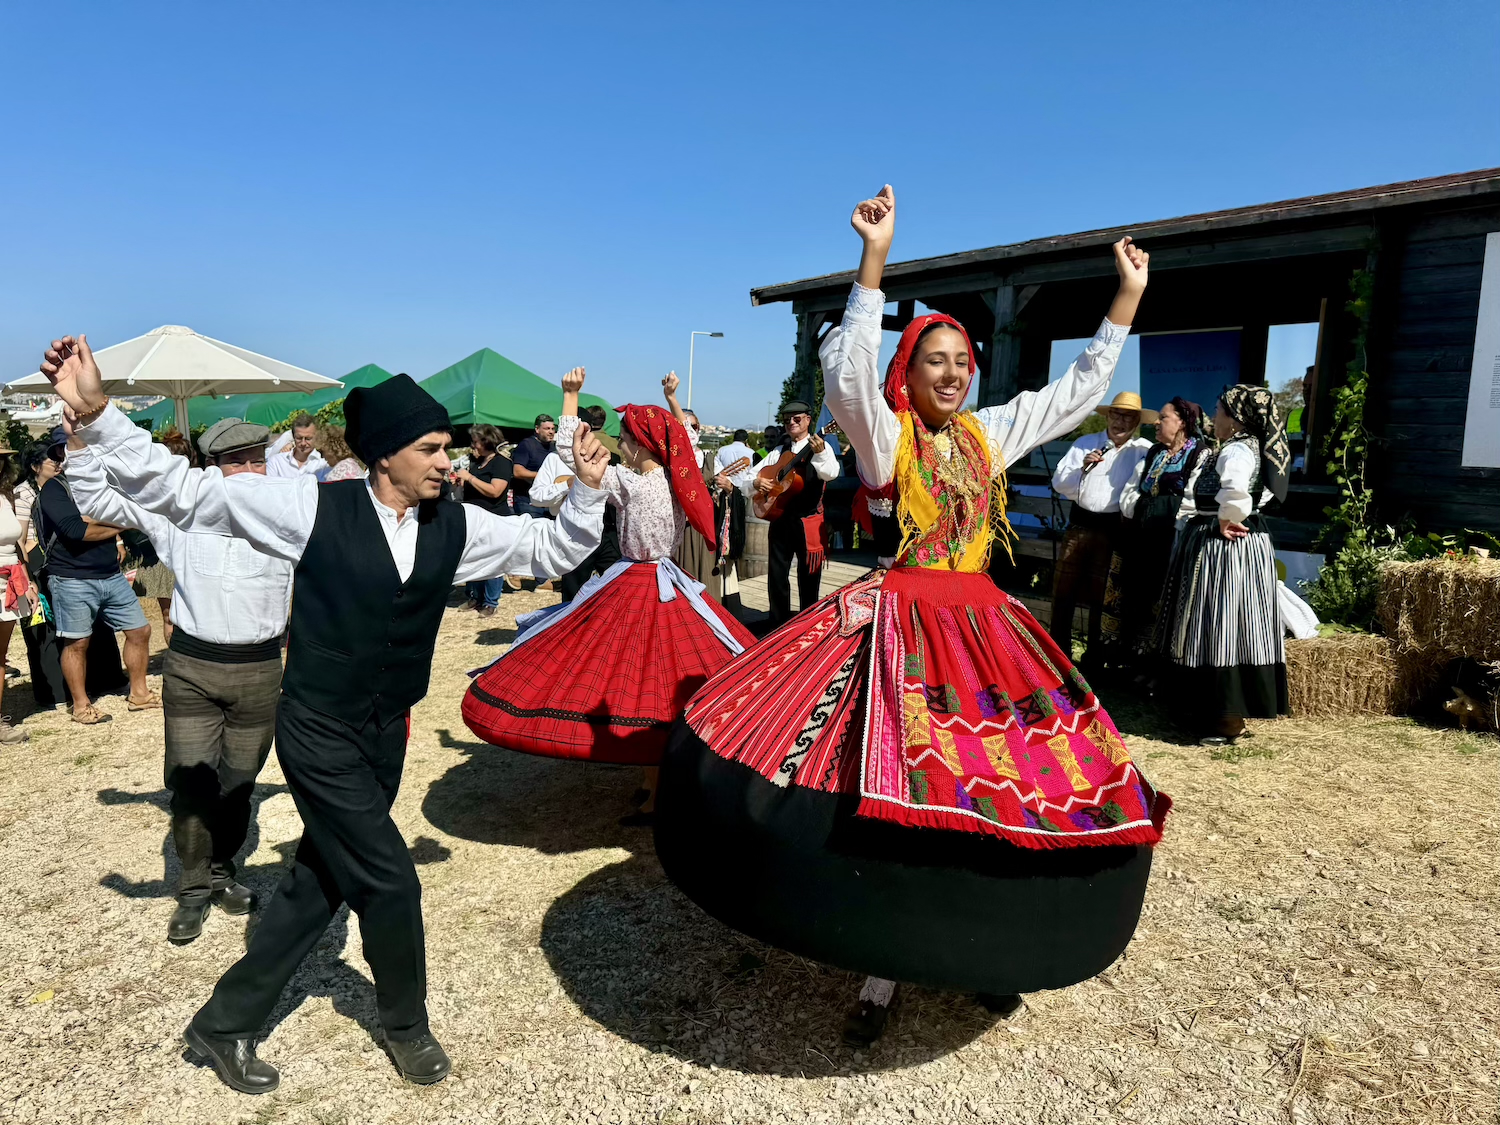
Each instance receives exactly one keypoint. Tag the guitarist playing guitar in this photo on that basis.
(796, 517)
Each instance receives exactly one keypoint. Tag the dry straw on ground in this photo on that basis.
(1319, 944)
(1443, 607)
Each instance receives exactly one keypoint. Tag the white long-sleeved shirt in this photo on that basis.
(549, 488)
(276, 515)
(850, 355)
(728, 455)
(1237, 463)
(824, 464)
(285, 464)
(226, 591)
(1102, 487)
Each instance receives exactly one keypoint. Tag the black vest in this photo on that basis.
(361, 640)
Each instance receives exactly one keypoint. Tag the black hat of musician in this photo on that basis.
(381, 419)
(796, 406)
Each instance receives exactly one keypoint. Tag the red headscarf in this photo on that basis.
(660, 434)
(896, 391)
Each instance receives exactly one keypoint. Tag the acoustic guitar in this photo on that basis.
(734, 467)
(786, 481)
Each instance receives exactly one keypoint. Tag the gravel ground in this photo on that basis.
(1319, 944)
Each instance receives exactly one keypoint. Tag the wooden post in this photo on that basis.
(1254, 341)
(999, 379)
(805, 372)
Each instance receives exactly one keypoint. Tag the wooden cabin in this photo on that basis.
(1422, 243)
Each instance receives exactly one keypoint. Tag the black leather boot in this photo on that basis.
(186, 922)
(1006, 1006)
(421, 1060)
(235, 1062)
(234, 898)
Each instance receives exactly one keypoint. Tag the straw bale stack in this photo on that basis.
(1442, 608)
(1352, 674)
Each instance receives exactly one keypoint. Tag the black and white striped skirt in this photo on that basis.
(1220, 620)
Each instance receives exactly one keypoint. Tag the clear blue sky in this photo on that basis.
(338, 184)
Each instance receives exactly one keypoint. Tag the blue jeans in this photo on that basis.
(77, 601)
(487, 593)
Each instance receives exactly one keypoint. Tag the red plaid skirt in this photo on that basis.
(939, 700)
(605, 683)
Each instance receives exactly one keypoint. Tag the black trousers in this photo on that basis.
(344, 780)
(219, 721)
(605, 556)
(785, 540)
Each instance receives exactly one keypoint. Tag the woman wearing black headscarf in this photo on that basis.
(1154, 508)
(1219, 622)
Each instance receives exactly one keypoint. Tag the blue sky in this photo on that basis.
(338, 184)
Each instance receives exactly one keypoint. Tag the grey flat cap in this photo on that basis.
(230, 434)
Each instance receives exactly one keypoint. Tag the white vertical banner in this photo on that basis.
(1482, 428)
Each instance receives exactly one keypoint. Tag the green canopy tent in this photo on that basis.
(266, 409)
(487, 387)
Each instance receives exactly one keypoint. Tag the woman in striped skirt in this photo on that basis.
(1220, 625)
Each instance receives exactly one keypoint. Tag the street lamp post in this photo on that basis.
(693, 339)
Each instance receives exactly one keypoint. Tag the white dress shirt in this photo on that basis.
(548, 488)
(285, 464)
(850, 355)
(276, 516)
(1100, 489)
(728, 455)
(824, 464)
(226, 591)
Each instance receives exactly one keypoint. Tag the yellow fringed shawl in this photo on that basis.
(922, 514)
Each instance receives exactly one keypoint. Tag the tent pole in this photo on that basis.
(182, 417)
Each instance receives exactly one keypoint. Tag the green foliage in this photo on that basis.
(330, 415)
(17, 436)
(1348, 444)
(791, 388)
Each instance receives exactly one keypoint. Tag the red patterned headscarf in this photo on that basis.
(896, 391)
(660, 434)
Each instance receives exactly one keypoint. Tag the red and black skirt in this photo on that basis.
(603, 683)
(910, 780)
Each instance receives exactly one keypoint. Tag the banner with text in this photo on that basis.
(1195, 365)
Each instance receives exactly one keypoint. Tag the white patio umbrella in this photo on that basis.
(179, 364)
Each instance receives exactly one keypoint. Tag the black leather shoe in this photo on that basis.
(421, 1060)
(234, 898)
(186, 922)
(1006, 1006)
(235, 1062)
(866, 1024)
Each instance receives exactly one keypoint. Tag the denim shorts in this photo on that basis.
(76, 602)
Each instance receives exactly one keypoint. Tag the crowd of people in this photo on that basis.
(896, 774)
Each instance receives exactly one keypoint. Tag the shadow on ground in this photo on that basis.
(638, 957)
(498, 796)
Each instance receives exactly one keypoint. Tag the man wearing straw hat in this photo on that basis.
(1094, 474)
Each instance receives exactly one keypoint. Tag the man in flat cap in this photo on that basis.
(374, 561)
(796, 532)
(221, 675)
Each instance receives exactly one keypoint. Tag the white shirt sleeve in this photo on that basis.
(1131, 493)
(545, 487)
(275, 516)
(545, 548)
(850, 355)
(95, 499)
(1236, 468)
(1034, 418)
(826, 463)
(1067, 478)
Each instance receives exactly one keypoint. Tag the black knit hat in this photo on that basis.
(381, 419)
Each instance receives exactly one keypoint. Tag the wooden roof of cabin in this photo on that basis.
(1308, 208)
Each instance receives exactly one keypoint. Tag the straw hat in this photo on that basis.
(1129, 400)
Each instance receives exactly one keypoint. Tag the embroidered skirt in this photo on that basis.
(911, 780)
(604, 682)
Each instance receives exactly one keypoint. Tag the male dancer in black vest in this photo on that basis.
(374, 563)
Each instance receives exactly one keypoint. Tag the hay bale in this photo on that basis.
(1351, 674)
(1448, 608)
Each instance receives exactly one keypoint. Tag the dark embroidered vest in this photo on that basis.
(1206, 493)
(361, 639)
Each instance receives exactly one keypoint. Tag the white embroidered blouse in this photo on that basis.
(651, 523)
(850, 356)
